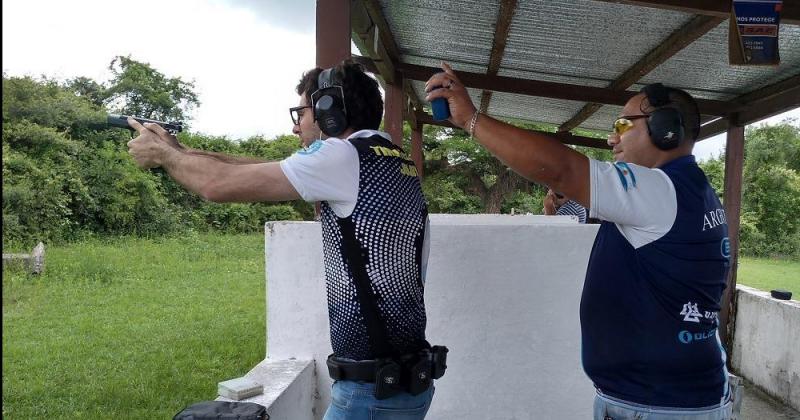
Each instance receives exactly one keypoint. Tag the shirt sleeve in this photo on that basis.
(326, 171)
(641, 201)
(571, 208)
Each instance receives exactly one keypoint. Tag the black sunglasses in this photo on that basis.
(294, 112)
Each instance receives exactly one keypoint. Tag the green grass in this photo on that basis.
(137, 328)
(767, 274)
(132, 328)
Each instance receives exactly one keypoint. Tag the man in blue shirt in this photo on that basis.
(659, 263)
(556, 204)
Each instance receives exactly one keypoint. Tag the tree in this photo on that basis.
(454, 161)
(66, 176)
(771, 190)
(461, 162)
(140, 90)
(89, 89)
(714, 169)
(769, 222)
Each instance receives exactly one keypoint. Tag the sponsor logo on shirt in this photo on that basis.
(625, 174)
(725, 247)
(406, 168)
(385, 151)
(687, 337)
(313, 147)
(713, 219)
(692, 314)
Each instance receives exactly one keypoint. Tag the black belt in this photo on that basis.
(413, 373)
(346, 370)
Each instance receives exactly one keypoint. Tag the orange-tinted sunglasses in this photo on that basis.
(625, 123)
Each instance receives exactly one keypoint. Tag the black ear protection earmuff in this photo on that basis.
(665, 124)
(330, 112)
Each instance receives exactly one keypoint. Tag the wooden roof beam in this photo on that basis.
(553, 90)
(368, 37)
(759, 104)
(501, 30)
(566, 138)
(372, 35)
(717, 8)
(678, 40)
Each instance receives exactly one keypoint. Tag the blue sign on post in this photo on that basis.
(753, 38)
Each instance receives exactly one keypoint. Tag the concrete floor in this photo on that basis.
(757, 405)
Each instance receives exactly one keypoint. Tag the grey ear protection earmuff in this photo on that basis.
(330, 111)
(665, 124)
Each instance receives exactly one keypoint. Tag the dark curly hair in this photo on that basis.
(362, 98)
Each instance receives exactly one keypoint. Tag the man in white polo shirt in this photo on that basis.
(374, 227)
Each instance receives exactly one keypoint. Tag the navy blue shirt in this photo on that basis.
(657, 271)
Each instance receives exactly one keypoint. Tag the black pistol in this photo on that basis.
(121, 121)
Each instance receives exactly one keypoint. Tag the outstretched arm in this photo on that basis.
(207, 175)
(536, 156)
(235, 160)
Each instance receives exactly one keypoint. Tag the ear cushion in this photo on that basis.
(666, 128)
(329, 112)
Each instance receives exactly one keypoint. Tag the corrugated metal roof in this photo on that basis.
(583, 39)
(580, 42)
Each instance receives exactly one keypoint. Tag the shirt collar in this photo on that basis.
(368, 133)
(680, 161)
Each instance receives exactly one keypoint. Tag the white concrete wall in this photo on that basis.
(502, 293)
(288, 388)
(766, 343)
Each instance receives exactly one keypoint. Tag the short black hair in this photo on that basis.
(362, 98)
(685, 104)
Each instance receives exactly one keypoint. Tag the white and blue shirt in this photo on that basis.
(654, 284)
(571, 208)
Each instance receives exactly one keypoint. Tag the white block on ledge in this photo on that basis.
(289, 387)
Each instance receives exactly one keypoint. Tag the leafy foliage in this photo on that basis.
(138, 89)
(770, 225)
(66, 176)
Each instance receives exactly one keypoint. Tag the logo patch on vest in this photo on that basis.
(313, 147)
(725, 246)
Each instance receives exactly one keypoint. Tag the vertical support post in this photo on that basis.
(333, 32)
(416, 148)
(393, 111)
(734, 161)
(333, 39)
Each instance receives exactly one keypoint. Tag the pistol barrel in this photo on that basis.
(122, 122)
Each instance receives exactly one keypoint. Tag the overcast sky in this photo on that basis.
(244, 56)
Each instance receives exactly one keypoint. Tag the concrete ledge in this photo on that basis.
(500, 219)
(33, 262)
(289, 388)
(766, 342)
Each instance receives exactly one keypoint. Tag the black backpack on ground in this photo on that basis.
(216, 410)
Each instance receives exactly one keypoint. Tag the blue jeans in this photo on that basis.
(356, 401)
(606, 407)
